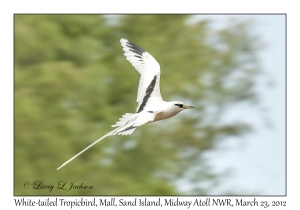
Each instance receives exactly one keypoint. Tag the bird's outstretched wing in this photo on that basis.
(149, 69)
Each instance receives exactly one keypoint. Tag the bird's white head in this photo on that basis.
(178, 106)
(181, 105)
(170, 109)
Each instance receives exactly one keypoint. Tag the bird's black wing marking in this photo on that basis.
(149, 91)
(138, 56)
(135, 47)
(136, 51)
(127, 129)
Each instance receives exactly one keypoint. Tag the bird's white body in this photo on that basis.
(151, 106)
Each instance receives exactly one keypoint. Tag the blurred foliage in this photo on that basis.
(72, 82)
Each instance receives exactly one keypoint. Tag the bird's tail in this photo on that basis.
(125, 124)
(123, 120)
(65, 163)
(125, 127)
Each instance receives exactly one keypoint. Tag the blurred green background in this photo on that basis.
(72, 82)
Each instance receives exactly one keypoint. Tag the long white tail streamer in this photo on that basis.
(65, 163)
(121, 123)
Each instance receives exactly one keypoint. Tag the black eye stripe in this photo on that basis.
(180, 105)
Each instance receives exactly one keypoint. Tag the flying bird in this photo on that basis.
(151, 107)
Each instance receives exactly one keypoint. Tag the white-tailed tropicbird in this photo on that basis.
(151, 106)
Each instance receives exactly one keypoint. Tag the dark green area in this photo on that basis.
(72, 83)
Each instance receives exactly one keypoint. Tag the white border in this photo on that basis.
(8, 8)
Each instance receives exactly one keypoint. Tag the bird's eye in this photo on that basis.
(180, 105)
